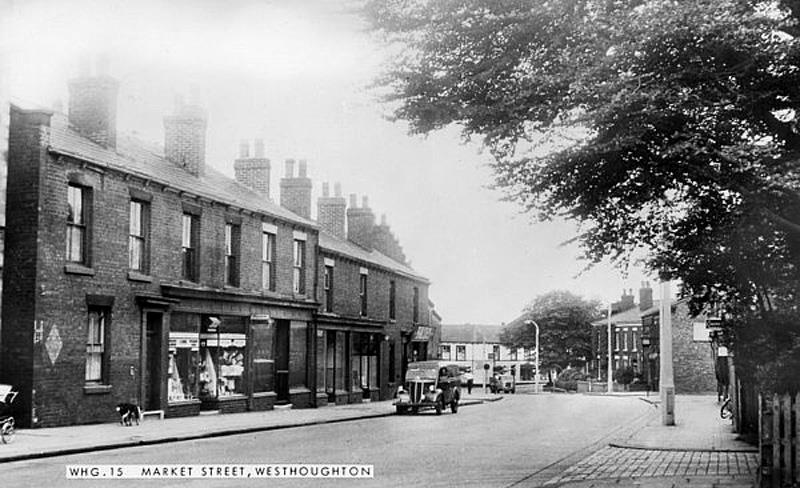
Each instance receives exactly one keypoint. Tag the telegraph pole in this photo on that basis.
(666, 378)
(610, 372)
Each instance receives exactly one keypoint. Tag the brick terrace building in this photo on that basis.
(136, 277)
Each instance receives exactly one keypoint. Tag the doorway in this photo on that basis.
(282, 361)
(152, 374)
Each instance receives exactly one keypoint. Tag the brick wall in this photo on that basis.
(185, 138)
(93, 108)
(253, 173)
(28, 135)
(693, 361)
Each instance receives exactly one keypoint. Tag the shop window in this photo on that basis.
(96, 340)
(364, 363)
(184, 358)
(461, 353)
(446, 353)
(222, 356)
(78, 218)
(137, 236)
(262, 334)
(298, 346)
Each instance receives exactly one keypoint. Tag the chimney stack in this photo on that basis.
(331, 211)
(93, 105)
(360, 223)
(296, 191)
(645, 296)
(253, 172)
(185, 137)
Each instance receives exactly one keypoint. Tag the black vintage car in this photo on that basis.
(429, 384)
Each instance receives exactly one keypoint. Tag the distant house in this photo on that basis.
(476, 346)
(635, 343)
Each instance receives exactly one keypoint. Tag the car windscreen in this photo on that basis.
(422, 374)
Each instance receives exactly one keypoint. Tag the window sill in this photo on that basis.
(136, 276)
(97, 389)
(176, 403)
(78, 269)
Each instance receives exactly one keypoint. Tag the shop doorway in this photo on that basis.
(152, 374)
(282, 361)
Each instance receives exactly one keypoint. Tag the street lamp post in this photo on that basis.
(666, 379)
(536, 363)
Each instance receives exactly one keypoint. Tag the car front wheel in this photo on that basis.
(401, 410)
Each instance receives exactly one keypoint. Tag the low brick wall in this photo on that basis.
(263, 401)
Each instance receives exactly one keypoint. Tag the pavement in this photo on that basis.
(59, 441)
(700, 450)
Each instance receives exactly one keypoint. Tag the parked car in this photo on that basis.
(429, 384)
(508, 383)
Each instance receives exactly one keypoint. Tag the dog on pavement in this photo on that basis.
(129, 413)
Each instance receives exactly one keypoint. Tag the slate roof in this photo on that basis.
(146, 161)
(350, 249)
(631, 316)
(471, 333)
(136, 158)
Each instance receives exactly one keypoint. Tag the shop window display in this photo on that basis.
(222, 357)
(182, 377)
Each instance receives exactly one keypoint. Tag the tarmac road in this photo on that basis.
(522, 440)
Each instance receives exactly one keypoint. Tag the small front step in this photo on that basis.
(209, 412)
(285, 406)
(153, 413)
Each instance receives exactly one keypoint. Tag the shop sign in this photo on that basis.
(183, 340)
(222, 340)
(422, 334)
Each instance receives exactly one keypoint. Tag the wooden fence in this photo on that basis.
(778, 442)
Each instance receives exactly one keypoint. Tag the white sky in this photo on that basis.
(295, 73)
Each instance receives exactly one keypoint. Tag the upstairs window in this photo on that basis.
(328, 287)
(461, 353)
(392, 299)
(78, 224)
(416, 304)
(362, 292)
(138, 258)
(298, 270)
(232, 240)
(268, 259)
(189, 247)
(446, 353)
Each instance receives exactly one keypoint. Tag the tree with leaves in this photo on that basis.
(565, 333)
(662, 127)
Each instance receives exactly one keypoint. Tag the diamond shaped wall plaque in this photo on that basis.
(53, 344)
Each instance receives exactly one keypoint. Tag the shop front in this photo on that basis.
(231, 357)
(348, 361)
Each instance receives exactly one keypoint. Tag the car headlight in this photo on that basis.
(431, 389)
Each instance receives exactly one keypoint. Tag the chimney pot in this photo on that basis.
(244, 149)
(302, 170)
(337, 189)
(353, 201)
(259, 148)
(289, 168)
(325, 189)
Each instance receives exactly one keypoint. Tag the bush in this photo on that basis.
(568, 379)
(624, 376)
